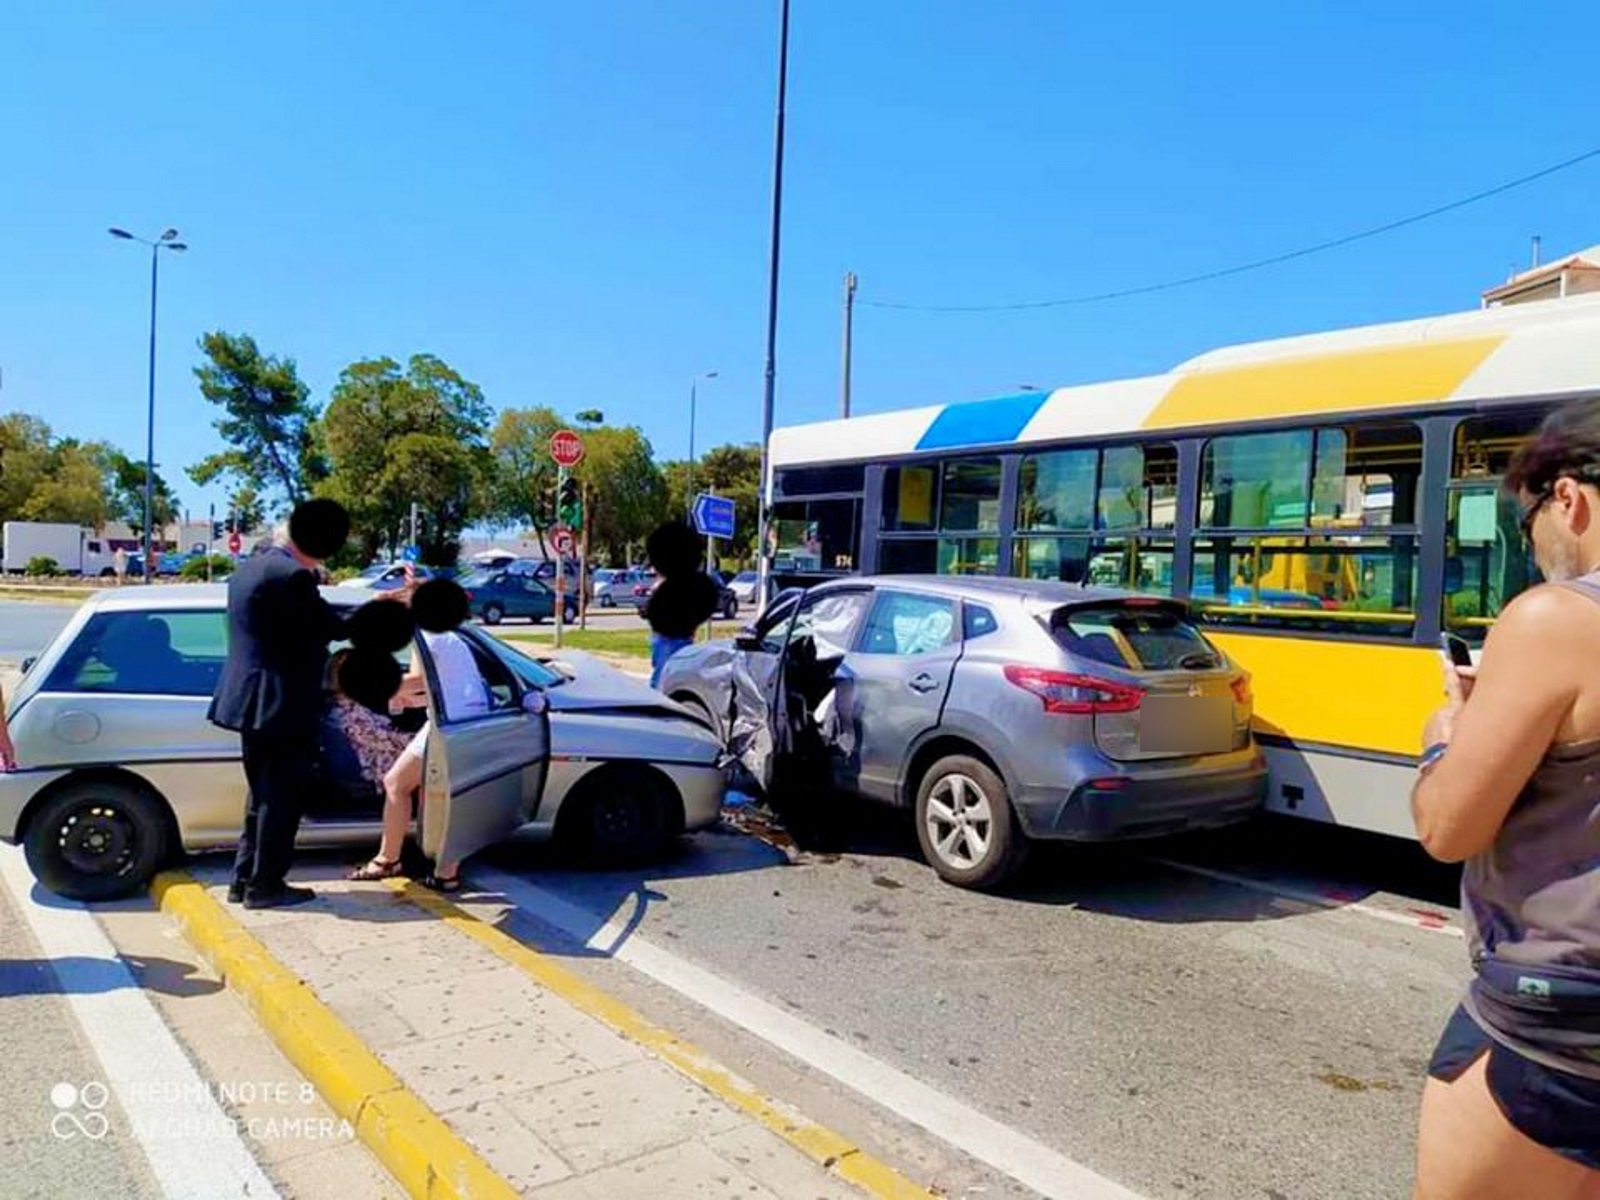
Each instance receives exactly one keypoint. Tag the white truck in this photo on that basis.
(28, 540)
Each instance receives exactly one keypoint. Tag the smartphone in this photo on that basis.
(1456, 650)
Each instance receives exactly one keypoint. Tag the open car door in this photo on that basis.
(483, 775)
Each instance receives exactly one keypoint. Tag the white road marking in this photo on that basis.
(192, 1145)
(1007, 1150)
(1410, 920)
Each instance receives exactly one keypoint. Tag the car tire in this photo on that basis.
(97, 839)
(965, 824)
(619, 815)
(607, 602)
(493, 614)
(730, 611)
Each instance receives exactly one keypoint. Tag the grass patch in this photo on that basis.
(632, 643)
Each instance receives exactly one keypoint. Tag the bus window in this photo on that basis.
(1057, 491)
(909, 497)
(969, 556)
(1354, 585)
(970, 497)
(1486, 561)
(908, 556)
(1328, 536)
(815, 536)
(1137, 564)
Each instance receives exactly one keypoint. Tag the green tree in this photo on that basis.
(268, 421)
(733, 471)
(246, 507)
(73, 491)
(523, 482)
(626, 493)
(125, 490)
(25, 449)
(397, 436)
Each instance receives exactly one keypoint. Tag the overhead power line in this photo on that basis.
(1241, 268)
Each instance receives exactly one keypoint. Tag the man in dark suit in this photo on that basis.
(270, 691)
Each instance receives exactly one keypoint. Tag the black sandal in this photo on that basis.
(375, 869)
(441, 883)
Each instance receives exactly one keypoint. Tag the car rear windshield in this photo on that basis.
(1134, 637)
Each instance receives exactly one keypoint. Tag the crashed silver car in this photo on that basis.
(1002, 711)
(120, 770)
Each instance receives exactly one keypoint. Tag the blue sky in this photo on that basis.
(569, 202)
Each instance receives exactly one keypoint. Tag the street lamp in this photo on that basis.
(167, 241)
(693, 385)
(764, 558)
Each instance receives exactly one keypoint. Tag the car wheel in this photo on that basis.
(730, 611)
(965, 823)
(493, 614)
(98, 839)
(607, 602)
(620, 814)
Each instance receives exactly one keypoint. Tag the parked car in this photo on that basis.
(1001, 710)
(120, 770)
(496, 595)
(745, 586)
(727, 601)
(608, 585)
(386, 577)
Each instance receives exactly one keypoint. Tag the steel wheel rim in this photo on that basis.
(97, 838)
(960, 821)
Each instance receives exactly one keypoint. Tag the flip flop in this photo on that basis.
(376, 869)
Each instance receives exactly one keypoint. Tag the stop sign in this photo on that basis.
(235, 542)
(566, 448)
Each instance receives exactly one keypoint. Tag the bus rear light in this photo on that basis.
(1063, 693)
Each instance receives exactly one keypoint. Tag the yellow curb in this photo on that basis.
(828, 1149)
(416, 1146)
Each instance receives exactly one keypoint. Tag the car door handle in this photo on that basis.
(923, 683)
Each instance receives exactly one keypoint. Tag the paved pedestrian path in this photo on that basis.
(527, 1065)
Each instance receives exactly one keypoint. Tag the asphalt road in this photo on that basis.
(27, 626)
(1177, 1032)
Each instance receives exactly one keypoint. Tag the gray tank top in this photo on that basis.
(1532, 911)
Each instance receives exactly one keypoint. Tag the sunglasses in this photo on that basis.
(1525, 523)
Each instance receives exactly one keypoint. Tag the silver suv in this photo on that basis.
(1003, 710)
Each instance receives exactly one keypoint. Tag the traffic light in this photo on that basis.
(217, 530)
(569, 504)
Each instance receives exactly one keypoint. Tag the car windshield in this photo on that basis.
(1137, 636)
(745, 577)
(529, 670)
(375, 571)
(476, 579)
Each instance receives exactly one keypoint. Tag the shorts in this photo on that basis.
(1557, 1109)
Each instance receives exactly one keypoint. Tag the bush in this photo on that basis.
(42, 564)
(195, 568)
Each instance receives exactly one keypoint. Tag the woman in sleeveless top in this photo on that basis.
(440, 608)
(1509, 784)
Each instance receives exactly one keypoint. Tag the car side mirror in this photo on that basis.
(534, 703)
(747, 641)
(27, 663)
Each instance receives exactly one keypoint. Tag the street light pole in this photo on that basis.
(167, 241)
(689, 486)
(763, 549)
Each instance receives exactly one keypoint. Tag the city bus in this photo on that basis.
(1328, 504)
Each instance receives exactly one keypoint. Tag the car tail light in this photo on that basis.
(1241, 689)
(468, 593)
(1065, 693)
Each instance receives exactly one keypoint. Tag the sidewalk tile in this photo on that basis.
(687, 1172)
(611, 1116)
(454, 1006)
(773, 1163)
(450, 1073)
(518, 1153)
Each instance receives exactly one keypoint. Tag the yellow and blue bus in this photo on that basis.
(1328, 503)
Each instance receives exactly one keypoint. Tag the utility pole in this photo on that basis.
(583, 563)
(849, 322)
(771, 374)
(211, 541)
(561, 556)
(413, 522)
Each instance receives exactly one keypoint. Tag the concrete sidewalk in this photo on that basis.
(561, 1091)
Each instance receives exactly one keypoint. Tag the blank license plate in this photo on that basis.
(1185, 724)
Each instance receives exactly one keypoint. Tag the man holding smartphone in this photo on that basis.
(1509, 784)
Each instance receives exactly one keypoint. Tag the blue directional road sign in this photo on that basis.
(713, 515)
(411, 554)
